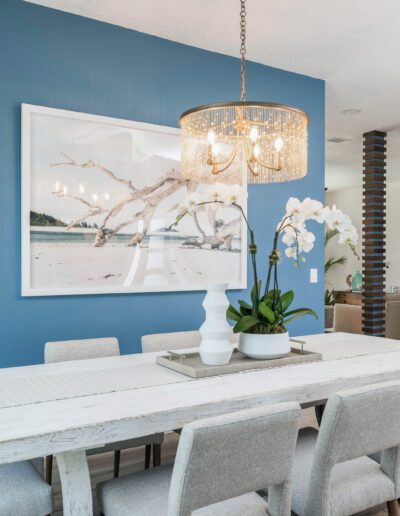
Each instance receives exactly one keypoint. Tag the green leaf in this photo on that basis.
(272, 294)
(245, 323)
(244, 304)
(332, 262)
(232, 314)
(253, 295)
(329, 234)
(266, 312)
(286, 300)
(245, 308)
(245, 311)
(299, 313)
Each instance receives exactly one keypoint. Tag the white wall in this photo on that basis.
(350, 202)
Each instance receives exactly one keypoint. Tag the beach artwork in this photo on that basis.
(99, 196)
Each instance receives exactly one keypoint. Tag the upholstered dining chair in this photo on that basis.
(332, 473)
(23, 491)
(100, 348)
(173, 340)
(220, 464)
(347, 318)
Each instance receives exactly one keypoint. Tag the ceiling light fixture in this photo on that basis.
(219, 142)
(351, 112)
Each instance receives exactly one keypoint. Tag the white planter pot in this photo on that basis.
(216, 346)
(264, 346)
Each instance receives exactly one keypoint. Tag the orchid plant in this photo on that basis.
(268, 312)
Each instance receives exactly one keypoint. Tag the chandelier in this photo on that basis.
(219, 142)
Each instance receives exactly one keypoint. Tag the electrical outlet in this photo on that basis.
(313, 275)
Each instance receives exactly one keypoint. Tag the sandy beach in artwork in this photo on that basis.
(156, 263)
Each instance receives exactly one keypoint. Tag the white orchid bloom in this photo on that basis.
(348, 236)
(306, 241)
(289, 236)
(216, 192)
(291, 252)
(234, 194)
(294, 209)
(314, 210)
(292, 204)
(336, 219)
(192, 202)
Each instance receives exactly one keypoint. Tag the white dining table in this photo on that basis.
(63, 409)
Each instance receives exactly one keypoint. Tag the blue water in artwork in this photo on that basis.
(56, 59)
(89, 238)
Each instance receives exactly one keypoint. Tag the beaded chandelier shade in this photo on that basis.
(225, 142)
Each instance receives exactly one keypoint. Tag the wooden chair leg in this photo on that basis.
(49, 469)
(147, 455)
(393, 508)
(117, 460)
(156, 455)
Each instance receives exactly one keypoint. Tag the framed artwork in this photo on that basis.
(98, 198)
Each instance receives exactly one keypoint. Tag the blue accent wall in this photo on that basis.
(60, 60)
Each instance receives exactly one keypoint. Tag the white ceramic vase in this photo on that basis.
(216, 347)
(264, 346)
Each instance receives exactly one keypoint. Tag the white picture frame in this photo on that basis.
(54, 255)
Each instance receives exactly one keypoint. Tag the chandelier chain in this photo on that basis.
(243, 48)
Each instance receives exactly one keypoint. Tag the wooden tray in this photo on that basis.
(190, 364)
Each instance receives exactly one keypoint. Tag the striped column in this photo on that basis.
(374, 225)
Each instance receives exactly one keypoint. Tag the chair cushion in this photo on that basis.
(23, 491)
(146, 494)
(356, 484)
(129, 443)
(246, 505)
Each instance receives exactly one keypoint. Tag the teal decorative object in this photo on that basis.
(356, 282)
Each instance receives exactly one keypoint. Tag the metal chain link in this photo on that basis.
(243, 48)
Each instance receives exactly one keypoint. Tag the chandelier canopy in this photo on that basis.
(219, 142)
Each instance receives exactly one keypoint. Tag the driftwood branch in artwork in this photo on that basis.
(144, 193)
(92, 164)
(94, 209)
(222, 236)
(150, 196)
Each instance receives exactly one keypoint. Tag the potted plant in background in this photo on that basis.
(262, 322)
(332, 262)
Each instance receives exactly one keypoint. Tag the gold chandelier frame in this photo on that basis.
(265, 139)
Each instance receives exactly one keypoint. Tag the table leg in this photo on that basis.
(75, 483)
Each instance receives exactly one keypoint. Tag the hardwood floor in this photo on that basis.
(101, 466)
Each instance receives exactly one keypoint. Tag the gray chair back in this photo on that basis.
(356, 423)
(174, 340)
(64, 350)
(227, 456)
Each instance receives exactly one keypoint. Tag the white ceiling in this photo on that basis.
(352, 45)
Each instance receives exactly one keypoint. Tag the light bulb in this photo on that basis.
(215, 149)
(211, 136)
(95, 197)
(256, 151)
(107, 196)
(253, 135)
(278, 144)
(65, 190)
(57, 186)
(81, 189)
